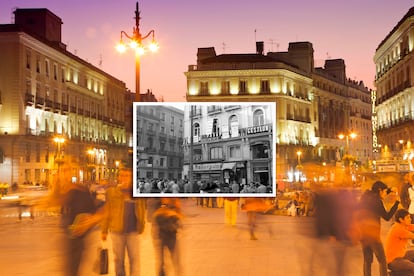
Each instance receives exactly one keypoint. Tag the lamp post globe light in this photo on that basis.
(351, 135)
(135, 44)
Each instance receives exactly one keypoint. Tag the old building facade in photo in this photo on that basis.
(159, 138)
(394, 97)
(313, 105)
(229, 143)
(55, 107)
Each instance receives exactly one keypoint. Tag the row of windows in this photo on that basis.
(234, 152)
(233, 123)
(65, 74)
(243, 87)
(394, 55)
(159, 115)
(162, 162)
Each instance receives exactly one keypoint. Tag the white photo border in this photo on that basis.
(181, 105)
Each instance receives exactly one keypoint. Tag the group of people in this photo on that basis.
(301, 204)
(342, 217)
(200, 186)
(122, 218)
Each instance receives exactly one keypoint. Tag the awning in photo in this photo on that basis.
(228, 166)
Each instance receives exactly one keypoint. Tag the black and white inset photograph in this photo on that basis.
(204, 149)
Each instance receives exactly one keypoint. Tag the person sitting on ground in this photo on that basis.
(293, 205)
(398, 258)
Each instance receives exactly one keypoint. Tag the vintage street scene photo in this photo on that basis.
(204, 149)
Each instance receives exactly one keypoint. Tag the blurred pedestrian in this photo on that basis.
(125, 219)
(231, 206)
(252, 206)
(410, 189)
(398, 258)
(404, 195)
(80, 215)
(335, 229)
(371, 210)
(167, 221)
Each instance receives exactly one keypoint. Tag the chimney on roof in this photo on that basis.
(336, 68)
(301, 55)
(204, 53)
(259, 47)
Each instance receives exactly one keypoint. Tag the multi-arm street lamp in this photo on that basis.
(351, 135)
(136, 44)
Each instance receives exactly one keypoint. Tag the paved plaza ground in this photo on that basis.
(208, 247)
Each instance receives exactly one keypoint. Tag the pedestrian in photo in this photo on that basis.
(371, 210)
(125, 220)
(399, 259)
(167, 220)
(235, 187)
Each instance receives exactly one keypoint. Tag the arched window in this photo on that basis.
(234, 126)
(216, 129)
(196, 130)
(258, 117)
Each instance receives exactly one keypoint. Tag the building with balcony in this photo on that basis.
(394, 97)
(229, 142)
(46, 92)
(159, 140)
(314, 105)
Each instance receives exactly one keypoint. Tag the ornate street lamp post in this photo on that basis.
(136, 44)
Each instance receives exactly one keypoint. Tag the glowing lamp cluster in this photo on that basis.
(135, 43)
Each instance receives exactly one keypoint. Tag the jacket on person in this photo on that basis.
(371, 210)
(115, 207)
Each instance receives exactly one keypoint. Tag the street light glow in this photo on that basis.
(59, 140)
(136, 44)
(120, 47)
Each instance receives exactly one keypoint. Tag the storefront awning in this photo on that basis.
(228, 166)
(261, 171)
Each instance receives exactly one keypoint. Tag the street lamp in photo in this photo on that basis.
(136, 44)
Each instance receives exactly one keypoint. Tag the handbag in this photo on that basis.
(103, 261)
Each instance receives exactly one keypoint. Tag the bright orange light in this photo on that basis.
(120, 47)
(90, 152)
(59, 140)
(299, 153)
(153, 46)
(341, 136)
(140, 51)
(133, 44)
(352, 135)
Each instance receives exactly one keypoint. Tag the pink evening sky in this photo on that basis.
(350, 30)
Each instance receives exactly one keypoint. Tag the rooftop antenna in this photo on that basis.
(273, 43)
(224, 47)
(255, 35)
(328, 56)
(100, 60)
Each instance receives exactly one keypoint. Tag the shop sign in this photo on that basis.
(257, 129)
(207, 167)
